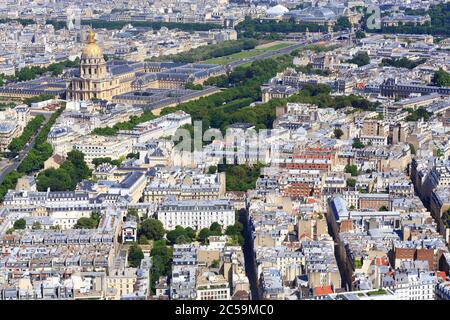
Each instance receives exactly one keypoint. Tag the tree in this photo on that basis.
(55, 179)
(203, 235)
(161, 262)
(215, 229)
(85, 223)
(77, 158)
(351, 182)
(132, 213)
(66, 177)
(419, 113)
(36, 225)
(88, 223)
(190, 233)
(412, 148)
(361, 59)
(360, 34)
(18, 143)
(352, 169)
(446, 218)
(19, 224)
(441, 78)
(152, 228)
(212, 169)
(132, 155)
(174, 234)
(342, 23)
(192, 86)
(215, 263)
(235, 233)
(338, 133)
(402, 63)
(183, 239)
(357, 144)
(135, 255)
(143, 239)
(383, 208)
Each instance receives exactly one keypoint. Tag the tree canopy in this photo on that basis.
(135, 255)
(361, 59)
(19, 224)
(152, 229)
(88, 223)
(66, 177)
(441, 78)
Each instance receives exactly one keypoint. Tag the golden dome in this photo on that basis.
(91, 50)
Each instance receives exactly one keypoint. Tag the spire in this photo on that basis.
(91, 38)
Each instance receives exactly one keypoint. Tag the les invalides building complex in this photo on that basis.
(94, 81)
(116, 80)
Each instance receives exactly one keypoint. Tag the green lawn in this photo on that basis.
(376, 292)
(246, 54)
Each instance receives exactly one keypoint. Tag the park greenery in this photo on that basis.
(135, 255)
(33, 72)
(36, 225)
(402, 63)
(351, 182)
(39, 98)
(361, 59)
(98, 161)
(19, 224)
(441, 78)
(6, 105)
(221, 49)
(193, 86)
(180, 235)
(9, 182)
(232, 105)
(35, 158)
(17, 144)
(352, 169)
(67, 176)
(240, 177)
(417, 114)
(338, 133)
(357, 144)
(161, 255)
(42, 150)
(88, 222)
(212, 169)
(152, 229)
(132, 155)
(341, 24)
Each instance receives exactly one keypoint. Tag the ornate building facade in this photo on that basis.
(95, 81)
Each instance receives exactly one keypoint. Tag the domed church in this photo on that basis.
(93, 82)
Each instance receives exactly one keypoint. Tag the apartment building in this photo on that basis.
(197, 214)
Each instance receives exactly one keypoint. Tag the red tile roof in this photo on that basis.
(441, 274)
(324, 290)
(404, 253)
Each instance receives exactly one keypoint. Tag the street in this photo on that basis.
(13, 164)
